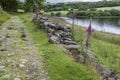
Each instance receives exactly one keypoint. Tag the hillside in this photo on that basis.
(109, 8)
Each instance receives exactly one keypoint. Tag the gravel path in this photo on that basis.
(19, 58)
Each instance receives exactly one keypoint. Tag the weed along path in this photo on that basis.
(19, 58)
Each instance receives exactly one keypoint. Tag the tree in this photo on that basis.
(9, 5)
(30, 5)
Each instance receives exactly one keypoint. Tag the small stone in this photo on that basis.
(111, 79)
(2, 67)
(17, 79)
(23, 62)
(33, 64)
(21, 65)
(54, 39)
(6, 76)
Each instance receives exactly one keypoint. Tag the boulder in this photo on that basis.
(54, 39)
(72, 47)
(107, 73)
(44, 18)
(68, 39)
(46, 23)
(69, 42)
(89, 54)
(50, 30)
(52, 25)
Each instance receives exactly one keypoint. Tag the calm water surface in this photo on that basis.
(111, 25)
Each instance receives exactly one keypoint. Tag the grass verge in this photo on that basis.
(104, 45)
(59, 65)
(3, 16)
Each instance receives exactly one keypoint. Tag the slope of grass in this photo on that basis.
(109, 8)
(3, 16)
(59, 65)
(104, 45)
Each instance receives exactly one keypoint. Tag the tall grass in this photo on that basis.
(59, 65)
(3, 16)
(104, 45)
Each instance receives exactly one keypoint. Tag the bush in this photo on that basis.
(58, 14)
(52, 14)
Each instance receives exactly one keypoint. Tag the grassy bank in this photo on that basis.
(59, 65)
(104, 45)
(3, 16)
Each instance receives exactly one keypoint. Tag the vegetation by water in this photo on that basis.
(104, 45)
(59, 65)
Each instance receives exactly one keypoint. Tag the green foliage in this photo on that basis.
(59, 65)
(58, 14)
(80, 5)
(30, 5)
(52, 14)
(98, 13)
(9, 5)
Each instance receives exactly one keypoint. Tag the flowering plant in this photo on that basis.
(89, 33)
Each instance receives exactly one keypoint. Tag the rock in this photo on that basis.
(46, 23)
(89, 54)
(107, 73)
(72, 47)
(17, 79)
(118, 76)
(111, 79)
(54, 39)
(44, 18)
(57, 34)
(21, 65)
(67, 29)
(6, 76)
(69, 42)
(52, 25)
(1, 67)
(2, 49)
(68, 39)
(51, 30)
(99, 68)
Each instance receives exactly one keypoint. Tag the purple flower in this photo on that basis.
(74, 16)
(87, 43)
(37, 12)
(90, 30)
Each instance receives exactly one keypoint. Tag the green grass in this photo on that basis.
(109, 8)
(4, 17)
(104, 45)
(58, 64)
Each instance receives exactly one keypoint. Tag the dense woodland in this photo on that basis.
(80, 5)
(85, 9)
(28, 5)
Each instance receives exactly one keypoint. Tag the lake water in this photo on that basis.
(111, 25)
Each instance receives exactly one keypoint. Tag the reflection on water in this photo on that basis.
(111, 25)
